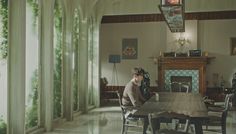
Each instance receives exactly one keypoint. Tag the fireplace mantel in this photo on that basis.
(184, 63)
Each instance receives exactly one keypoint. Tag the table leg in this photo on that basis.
(198, 127)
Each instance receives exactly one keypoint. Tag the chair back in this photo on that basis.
(175, 87)
(228, 101)
(180, 86)
(120, 103)
(119, 98)
(187, 86)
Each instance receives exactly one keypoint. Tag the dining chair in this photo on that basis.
(186, 87)
(218, 117)
(218, 107)
(162, 116)
(175, 87)
(127, 120)
(180, 87)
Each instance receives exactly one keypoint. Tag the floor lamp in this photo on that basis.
(114, 59)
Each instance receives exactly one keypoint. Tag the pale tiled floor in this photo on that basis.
(108, 120)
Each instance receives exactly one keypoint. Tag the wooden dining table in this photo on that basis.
(190, 104)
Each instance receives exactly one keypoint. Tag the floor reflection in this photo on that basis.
(108, 120)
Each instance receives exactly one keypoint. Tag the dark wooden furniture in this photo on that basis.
(188, 104)
(108, 93)
(183, 63)
(215, 93)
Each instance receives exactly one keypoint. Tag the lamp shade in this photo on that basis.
(171, 2)
(173, 12)
(114, 58)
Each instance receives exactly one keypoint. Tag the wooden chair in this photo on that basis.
(180, 86)
(185, 85)
(128, 121)
(218, 117)
(218, 107)
(175, 87)
(161, 116)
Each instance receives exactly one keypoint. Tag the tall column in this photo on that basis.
(16, 67)
(96, 66)
(83, 66)
(97, 14)
(47, 65)
(68, 60)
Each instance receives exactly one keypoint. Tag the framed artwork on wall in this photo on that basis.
(130, 48)
(233, 46)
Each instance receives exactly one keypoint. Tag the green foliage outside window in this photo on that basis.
(57, 107)
(32, 111)
(35, 7)
(3, 46)
(3, 126)
(76, 44)
(58, 53)
(4, 30)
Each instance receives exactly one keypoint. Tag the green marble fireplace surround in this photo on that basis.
(192, 73)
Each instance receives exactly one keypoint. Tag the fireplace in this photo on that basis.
(181, 83)
(182, 77)
(182, 68)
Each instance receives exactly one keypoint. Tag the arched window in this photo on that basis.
(90, 61)
(75, 60)
(57, 91)
(3, 64)
(32, 65)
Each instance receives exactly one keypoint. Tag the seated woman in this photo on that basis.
(132, 95)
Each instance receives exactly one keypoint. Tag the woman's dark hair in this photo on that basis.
(145, 85)
(137, 71)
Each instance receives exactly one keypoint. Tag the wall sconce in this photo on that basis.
(182, 40)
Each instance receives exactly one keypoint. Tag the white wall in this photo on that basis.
(208, 35)
(150, 43)
(215, 37)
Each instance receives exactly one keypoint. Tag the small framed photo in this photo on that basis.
(233, 46)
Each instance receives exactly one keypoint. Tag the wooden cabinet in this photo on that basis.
(215, 93)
